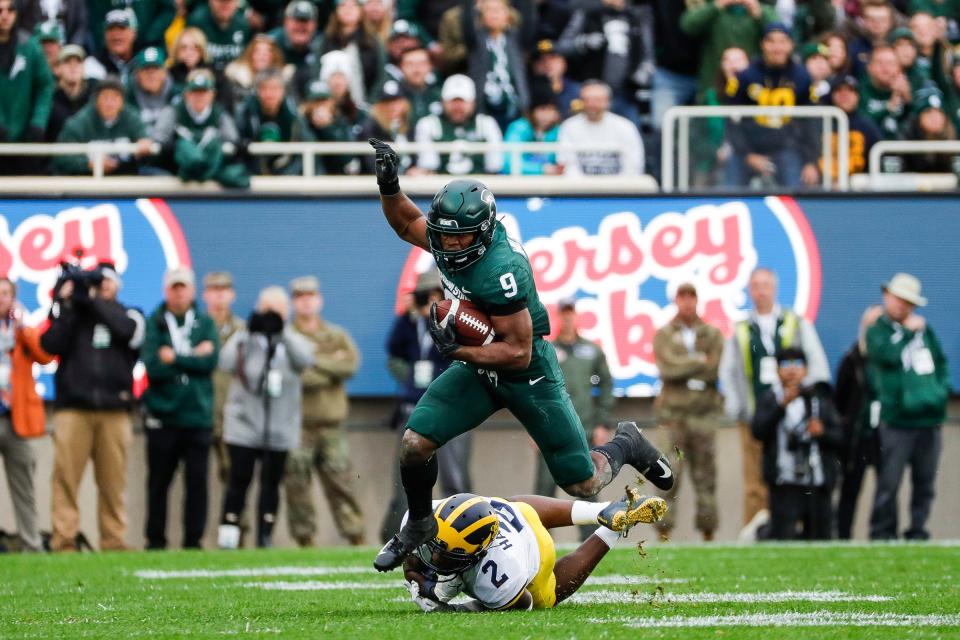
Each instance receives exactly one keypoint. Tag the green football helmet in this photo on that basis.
(463, 206)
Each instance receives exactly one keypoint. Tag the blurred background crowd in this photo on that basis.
(266, 396)
(194, 82)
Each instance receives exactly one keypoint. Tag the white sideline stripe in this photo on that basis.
(315, 585)
(252, 572)
(318, 585)
(625, 597)
(792, 619)
(790, 545)
(629, 580)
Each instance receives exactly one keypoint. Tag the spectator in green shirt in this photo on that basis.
(721, 24)
(223, 22)
(26, 90)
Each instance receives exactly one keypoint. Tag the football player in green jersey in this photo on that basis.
(517, 371)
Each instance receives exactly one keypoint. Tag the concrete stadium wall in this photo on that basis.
(502, 465)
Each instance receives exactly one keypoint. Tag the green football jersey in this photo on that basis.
(498, 281)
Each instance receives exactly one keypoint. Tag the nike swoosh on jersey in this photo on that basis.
(667, 472)
(534, 381)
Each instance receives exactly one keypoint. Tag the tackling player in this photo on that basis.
(519, 370)
(500, 553)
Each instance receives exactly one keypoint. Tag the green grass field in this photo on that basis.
(768, 592)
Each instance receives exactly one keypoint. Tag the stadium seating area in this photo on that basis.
(194, 82)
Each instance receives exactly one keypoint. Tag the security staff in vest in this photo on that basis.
(748, 368)
(689, 408)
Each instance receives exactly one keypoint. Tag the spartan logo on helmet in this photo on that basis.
(462, 207)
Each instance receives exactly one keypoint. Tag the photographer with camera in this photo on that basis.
(97, 339)
(262, 414)
(801, 434)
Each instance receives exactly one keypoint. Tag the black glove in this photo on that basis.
(388, 164)
(444, 338)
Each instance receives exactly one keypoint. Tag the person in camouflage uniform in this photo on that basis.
(518, 371)
(219, 295)
(323, 446)
(689, 407)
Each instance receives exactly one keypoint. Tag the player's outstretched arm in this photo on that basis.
(404, 216)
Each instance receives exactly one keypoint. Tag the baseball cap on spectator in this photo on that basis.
(218, 280)
(774, 27)
(405, 28)
(428, 281)
(109, 271)
(48, 32)
(544, 48)
(179, 275)
(318, 90)
(336, 61)
(120, 18)
(111, 82)
(927, 98)
(460, 87)
(687, 288)
(901, 33)
(71, 51)
(389, 91)
(150, 57)
(304, 285)
(845, 81)
(301, 10)
(568, 303)
(200, 80)
(791, 354)
(813, 49)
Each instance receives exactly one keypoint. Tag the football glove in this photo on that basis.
(444, 338)
(388, 167)
(426, 604)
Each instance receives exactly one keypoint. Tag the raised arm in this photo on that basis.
(404, 216)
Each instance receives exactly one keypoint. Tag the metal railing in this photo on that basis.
(98, 151)
(904, 147)
(676, 123)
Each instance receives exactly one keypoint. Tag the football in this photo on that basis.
(473, 326)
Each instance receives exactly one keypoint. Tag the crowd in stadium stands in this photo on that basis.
(205, 78)
(270, 393)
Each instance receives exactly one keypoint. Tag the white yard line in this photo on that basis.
(629, 580)
(252, 572)
(315, 585)
(792, 619)
(626, 597)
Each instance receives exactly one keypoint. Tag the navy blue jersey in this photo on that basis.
(760, 85)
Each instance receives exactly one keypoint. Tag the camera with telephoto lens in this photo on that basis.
(268, 323)
(82, 279)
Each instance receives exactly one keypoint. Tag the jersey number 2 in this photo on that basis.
(509, 284)
(498, 581)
